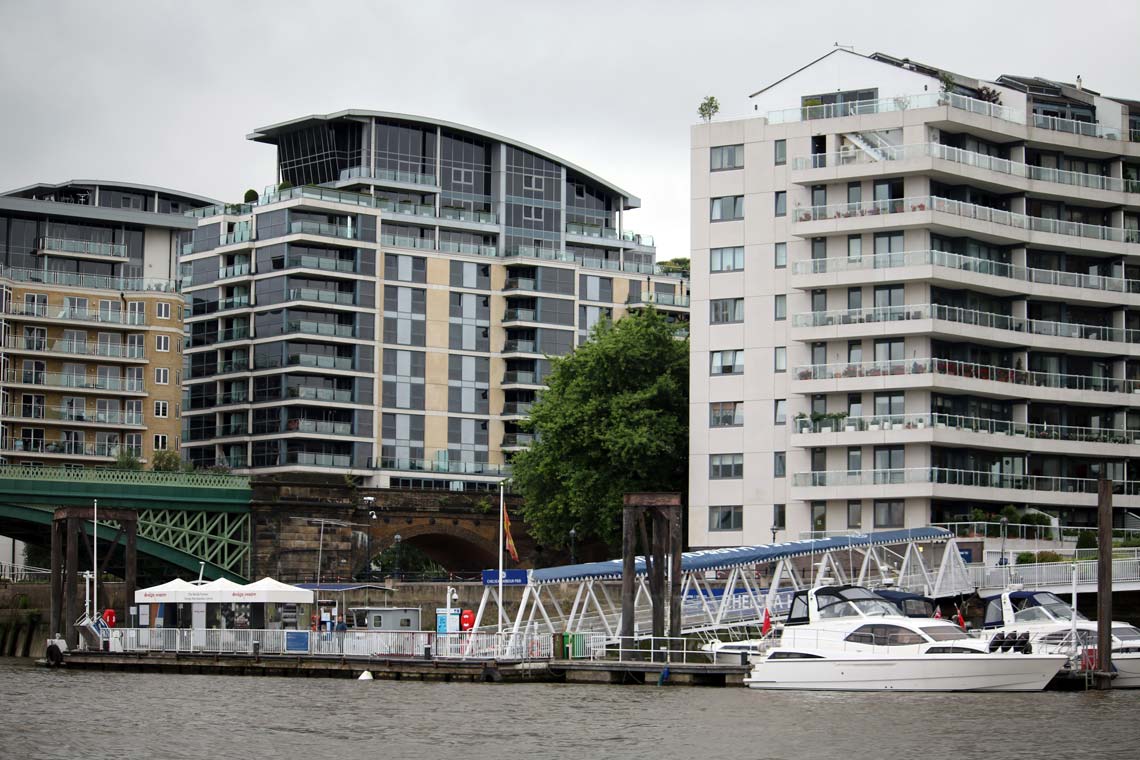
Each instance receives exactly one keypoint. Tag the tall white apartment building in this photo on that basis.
(915, 297)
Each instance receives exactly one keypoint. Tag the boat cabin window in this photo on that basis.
(799, 611)
(832, 607)
(885, 636)
(1126, 633)
(794, 656)
(993, 612)
(953, 650)
(1033, 615)
(944, 632)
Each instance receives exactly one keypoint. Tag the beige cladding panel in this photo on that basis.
(439, 271)
(498, 277)
(435, 374)
(438, 306)
(621, 291)
(435, 434)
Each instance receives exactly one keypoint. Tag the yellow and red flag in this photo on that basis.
(510, 541)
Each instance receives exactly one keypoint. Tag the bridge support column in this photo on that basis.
(657, 518)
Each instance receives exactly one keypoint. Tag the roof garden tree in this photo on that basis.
(708, 108)
(613, 420)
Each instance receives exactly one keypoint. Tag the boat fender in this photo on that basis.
(661, 679)
(54, 656)
(1023, 644)
(365, 676)
(1009, 643)
(996, 642)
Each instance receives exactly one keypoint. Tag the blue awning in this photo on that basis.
(742, 556)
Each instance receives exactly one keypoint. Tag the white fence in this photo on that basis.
(371, 644)
(1125, 570)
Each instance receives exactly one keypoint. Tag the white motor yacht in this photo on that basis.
(845, 638)
(1046, 622)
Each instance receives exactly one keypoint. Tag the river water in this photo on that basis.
(85, 714)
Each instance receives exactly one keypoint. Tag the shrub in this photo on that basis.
(126, 461)
(1086, 539)
(166, 461)
(286, 185)
(1026, 558)
(251, 196)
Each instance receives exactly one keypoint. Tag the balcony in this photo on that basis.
(1074, 127)
(308, 393)
(388, 175)
(957, 315)
(517, 408)
(966, 210)
(442, 466)
(237, 270)
(958, 262)
(73, 314)
(77, 348)
(325, 329)
(316, 193)
(233, 365)
(338, 297)
(59, 447)
(70, 415)
(407, 208)
(592, 231)
(522, 377)
(520, 315)
(900, 103)
(520, 347)
(403, 241)
(540, 253)
(517, 440)
(521, 283)
(315, 427)
(315, 459)
(612, 265)
(82, 248)
(886, 154)
(937, 421)
(90, 281)
(345, 232)
(460, 214)
(470, 249)
(75, 382)
(321, 362)
(323, 263)
(658, 299)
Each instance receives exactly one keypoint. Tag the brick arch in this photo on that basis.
(455, 547)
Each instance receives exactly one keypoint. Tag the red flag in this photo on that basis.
(961, 620)
(937, 613)
(767, 626)
(510, 541)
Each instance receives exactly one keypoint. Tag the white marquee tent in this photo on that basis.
(264, 591)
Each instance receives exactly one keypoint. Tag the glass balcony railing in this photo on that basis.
(538, 252)
(900, 103)
(221, 209)
(323, 427)
(82, 247)
(77, 348)
(521, 283)
(947, 476)
(460, 214)
(233, 365)
(593, 231)
(517, 408)
(388, 175)
(522, 377)
(68, 414)
(74, 314)
(321, 394)
(941, 421)
(316, 193)
(405, 207)
(237, 270)
(511, 440)
(320, 228)
(324, 263)
(970, 371)
(339, 297)
(660, 299)
(612, 265)
(64, 447)
(447, 466)
(309, 327)
(520, 315)
(520, 347)
(472, 249)
(315, 459)
(967, 264)
(74, 381)
(320, 362)
(881, 154)
(971, 317)
(403, 241)
(92, 281)
(233, 302)
(1074, 127)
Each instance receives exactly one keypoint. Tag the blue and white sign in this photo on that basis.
(296, 641)
(510, 577)
(447, 621)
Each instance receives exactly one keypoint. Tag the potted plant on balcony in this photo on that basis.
(804, 373)
(850, 370)
(802, 425)
(917, 367)
(918, 207)
(805, 215)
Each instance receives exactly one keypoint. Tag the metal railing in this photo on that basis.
(935, 420)
(76, 347)
(338, 297)
(1031, 532)
(403, 241)
(405, 207)
(1073, 126)
(969, 370)
(324, 263)
(440, 465)
(971, 317)
(965, 263)
(137, 477)
(320, 394)
(661, 299)
(955, 477)
(451, 246)
(316, 193)
(324, 427)
(387, 175)
(317, 459)
(74, 314)
(92, 281)
(309, 327)
(539, 252)
(72, 414)
(460, 214)
(467, 645)
(321, 228)
(320, 362)
(893, 104)
(18, 573)
(967, 158)
(82, 247)
(61, 446)
(1036, 576)
(67, 380)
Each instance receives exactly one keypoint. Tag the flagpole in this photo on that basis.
(502, 512)
(95, 554)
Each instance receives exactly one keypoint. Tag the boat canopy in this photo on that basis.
(741, 556)
(264, 591)
(911, 605)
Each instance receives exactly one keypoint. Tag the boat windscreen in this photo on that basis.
(944, 632)
(1126, 632)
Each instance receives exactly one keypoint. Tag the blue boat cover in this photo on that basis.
(742, 556)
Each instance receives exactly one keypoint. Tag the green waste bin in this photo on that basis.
(574, 644)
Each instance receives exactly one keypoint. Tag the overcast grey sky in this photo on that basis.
(164, 93)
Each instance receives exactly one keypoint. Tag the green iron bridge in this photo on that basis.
(184, 519)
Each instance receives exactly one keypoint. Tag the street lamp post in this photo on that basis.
(396, 561)
(1003, 561)
(573, 534)
(774, 529)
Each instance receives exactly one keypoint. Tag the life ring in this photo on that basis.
(54, 656)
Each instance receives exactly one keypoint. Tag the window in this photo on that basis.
(854, 299)
(726, 414)
(162, 376)
(889, 513)
(854, 514)
(162, 343)
(818, 249)
(889, 464)
(726, 259)
(819, 516)
(727, 362)
(781, 152)
(781, 203)
(854, 351)
(161, 409)
(726, 310)
(780, 414)
(160, 442)
(726, 466)
(855, 248)
(781, 306)
(162, 310)
(779, 464)
(781, 255)
(726, 518)
(532, 213)
(726, 157)
(779, 516)
(466, 177)
(532, 182)
(727, 208)
(854, 459)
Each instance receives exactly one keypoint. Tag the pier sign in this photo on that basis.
(510, 578)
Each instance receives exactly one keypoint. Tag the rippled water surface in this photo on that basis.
(84, 714)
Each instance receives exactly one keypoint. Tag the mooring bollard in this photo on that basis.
(257, 650)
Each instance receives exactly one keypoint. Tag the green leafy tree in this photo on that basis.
(678, 264)
(614, 420)
(126, 461)
(166, 461)
(251, 196)
(708, 108)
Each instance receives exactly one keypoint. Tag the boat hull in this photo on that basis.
(980, 672)
(1127, 671)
